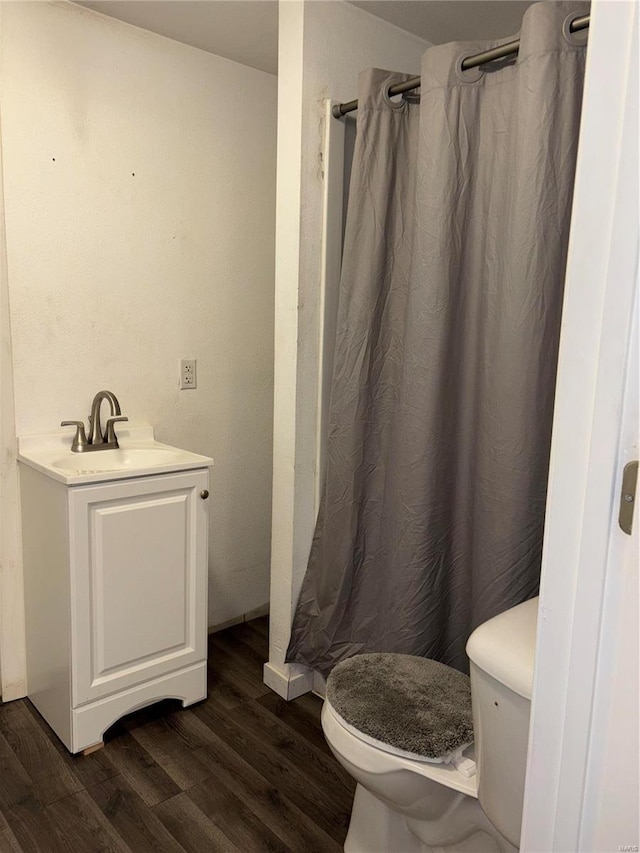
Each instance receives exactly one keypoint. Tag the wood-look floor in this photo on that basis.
(242, 771)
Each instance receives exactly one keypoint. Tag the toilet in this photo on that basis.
(404, 804)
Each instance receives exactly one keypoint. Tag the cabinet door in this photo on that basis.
(138, 581)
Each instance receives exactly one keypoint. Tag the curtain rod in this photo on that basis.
(508, 49)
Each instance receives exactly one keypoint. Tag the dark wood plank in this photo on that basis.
(224, 692)
(51, 776)
(145, 776)
(303, 716)
(247, 633)
(329, 812)
(23, 810)
(187, 729)
(88, 770)
(226, 768)
(193, 830)
(261, 624)
(238, 657)
(243, 676)
(320, 765)
(296, 717)
(80, 825)
(164, 742)
(137, 825)
(235, 819)
(242, 771)
(275, 810)
(311, 705)
(8, 842)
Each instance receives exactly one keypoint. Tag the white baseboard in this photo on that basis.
(14, 691)
(288, 681)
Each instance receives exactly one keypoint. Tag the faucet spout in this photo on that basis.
(96, 435)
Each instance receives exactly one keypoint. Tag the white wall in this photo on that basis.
(322, 48)
(139, 179)
(12, 669)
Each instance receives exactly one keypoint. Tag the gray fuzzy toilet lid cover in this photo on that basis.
(410, 703)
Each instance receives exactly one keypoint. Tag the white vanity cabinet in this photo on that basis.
(116, 596)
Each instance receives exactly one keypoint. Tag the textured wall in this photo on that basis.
(324, 45)
(140, 203)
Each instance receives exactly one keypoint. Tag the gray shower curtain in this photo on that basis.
(449, 318)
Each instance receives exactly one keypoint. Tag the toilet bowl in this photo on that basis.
(406, 805)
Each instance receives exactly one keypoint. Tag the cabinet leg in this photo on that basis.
(94, 748)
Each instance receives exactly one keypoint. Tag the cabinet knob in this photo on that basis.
(204, 494)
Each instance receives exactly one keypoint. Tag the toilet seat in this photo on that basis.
(370, 758)
(395, 750)
(414, 705)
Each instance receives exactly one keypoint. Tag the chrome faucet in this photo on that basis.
(97, 439)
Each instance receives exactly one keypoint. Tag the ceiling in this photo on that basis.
(243, 30)
(439, 21)
(247, 30)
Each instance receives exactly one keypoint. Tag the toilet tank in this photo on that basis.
(501, 652)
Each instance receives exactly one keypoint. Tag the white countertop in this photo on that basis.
(139, 455)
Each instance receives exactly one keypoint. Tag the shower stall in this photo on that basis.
(447, 328)
(578, 673)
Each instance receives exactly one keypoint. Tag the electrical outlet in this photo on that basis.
(187, 373)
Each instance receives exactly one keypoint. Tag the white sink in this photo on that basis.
(115, 460)
(139, 455)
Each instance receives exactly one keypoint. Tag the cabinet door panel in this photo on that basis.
(139, 577)
(138, 581)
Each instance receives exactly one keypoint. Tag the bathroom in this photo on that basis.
(151, 180)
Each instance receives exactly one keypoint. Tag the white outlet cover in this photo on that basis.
(188, 377)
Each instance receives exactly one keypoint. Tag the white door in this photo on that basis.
(610, 813)
(581, 790)
(138, 581)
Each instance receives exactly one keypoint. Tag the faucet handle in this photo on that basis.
(110, 437)
(79, 442)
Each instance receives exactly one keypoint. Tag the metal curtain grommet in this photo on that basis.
(578, 38)
(468, 75)
(400, 104)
